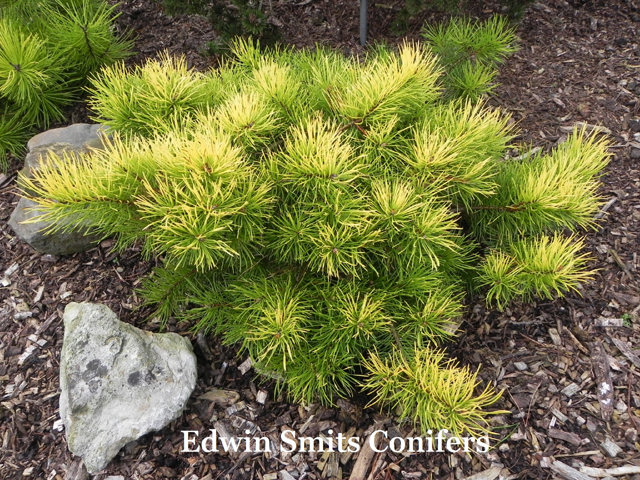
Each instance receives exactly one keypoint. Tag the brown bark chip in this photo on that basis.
(603, 379)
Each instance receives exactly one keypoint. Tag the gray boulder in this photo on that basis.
(58, 243)
(72, 141)
(118, 382)
(80, 135)
(76, 139)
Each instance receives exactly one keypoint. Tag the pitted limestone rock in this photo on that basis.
(118, 382)
(70, 141)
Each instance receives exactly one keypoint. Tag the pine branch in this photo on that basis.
(542, 267)
(431, 392)
(389, 86)
(544, 193)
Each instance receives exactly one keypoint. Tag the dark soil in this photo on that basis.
(579, 61)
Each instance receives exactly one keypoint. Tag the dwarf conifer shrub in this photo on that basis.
(514, 10)
(47, 50)
(326, 214)
(229, 18)
(13, 135)
(412, 8)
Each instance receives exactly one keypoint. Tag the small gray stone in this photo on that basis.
(60, 243)
(118, 382)
(635, 153)
(520, 366)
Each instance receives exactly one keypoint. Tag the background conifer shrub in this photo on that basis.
(326, 215)
(514, 10)
(470, 53)
(47, 50)
(229, 18)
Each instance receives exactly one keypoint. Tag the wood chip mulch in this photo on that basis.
(570, 369)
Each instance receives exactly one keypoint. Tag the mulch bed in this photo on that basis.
(569, 368)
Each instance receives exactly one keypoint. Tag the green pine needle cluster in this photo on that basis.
(326, 214)
(542, 267)
(13, 135)
(159, 97)
(544, 192)
(470, 52)
(429, 390)
(47, 50)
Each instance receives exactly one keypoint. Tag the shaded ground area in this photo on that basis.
(579, 62)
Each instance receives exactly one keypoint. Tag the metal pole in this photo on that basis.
(363, 22)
